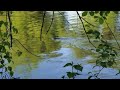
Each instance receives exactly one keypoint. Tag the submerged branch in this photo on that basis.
(42, 25)
(51, 23)
(85, 30)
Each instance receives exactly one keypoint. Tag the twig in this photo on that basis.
(85, 30)
(66, 20)
(99, 72)
(112, 34)
(88, 22)
(25, 47)
(42, 25)
(51, 23)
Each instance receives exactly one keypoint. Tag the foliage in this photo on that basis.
(105, 50)
(5, 51)
(72, 74)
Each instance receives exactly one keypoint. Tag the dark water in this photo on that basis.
(53, 53)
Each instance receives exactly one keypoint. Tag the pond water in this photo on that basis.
(70, 45)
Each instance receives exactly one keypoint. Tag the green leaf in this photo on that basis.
(103, 64)
(101, 21)
(1, 66)
(11, 73)
(7, 43)
(102, 13)
(19, 53)
(6, 24)
(9, 68)
(5, 34)
(97, 50)
(97, 34)
(15, 30)
(68, 64)
(91, 13)
(90, 31)
(72, 74)
(84, 13)
(89, 77)
(110, 63)
(2, 62)
(96, 17)
(78, 67)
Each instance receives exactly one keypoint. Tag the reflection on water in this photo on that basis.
(61, 45)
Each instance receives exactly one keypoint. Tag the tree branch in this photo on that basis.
(112, 34)
(10, 27)
(25, 47)
(85, 30)
(66, 20)
(88, 22)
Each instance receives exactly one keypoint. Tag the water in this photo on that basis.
(71, 45)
